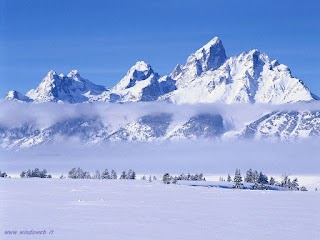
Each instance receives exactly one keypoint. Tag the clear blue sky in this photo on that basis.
(103, 39)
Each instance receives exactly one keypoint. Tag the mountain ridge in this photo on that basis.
(208, 76)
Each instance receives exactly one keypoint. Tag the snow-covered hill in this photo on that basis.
(208, 76)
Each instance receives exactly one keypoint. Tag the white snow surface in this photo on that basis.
(132, 210)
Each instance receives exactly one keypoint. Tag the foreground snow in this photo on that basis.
(94, 209)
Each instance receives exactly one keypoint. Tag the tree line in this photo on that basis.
(259, 180)
(78, 173)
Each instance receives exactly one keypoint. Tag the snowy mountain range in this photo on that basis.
(208, 76)
(154, 125)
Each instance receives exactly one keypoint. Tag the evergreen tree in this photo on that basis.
(23, 174)
(114, 175)
(105, 174)
(295, 185)
(76, 173)
(129, 174)
(175, 180)
(143, 178)
(166, 178)
(249, 176)
(150, 179)
(123, 175)
(229, 178)
(155, 178)
(263, 179)
(97, 175)
(285, 181)
(237, 179)
(133, 175)
(29, 174)
(255, 176)
(42, 174)
(36, 173)
(3, 174)
(86, 175)
(272, 182)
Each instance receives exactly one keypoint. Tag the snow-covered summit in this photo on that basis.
(142, 83)
(209, 57)
(247, 78)
(208, 76)
(139, 72)
(60, 88)
(17, 96)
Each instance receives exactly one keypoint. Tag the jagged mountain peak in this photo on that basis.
(74, 74)
(176, 71)
(214, 42)
(208, 76)
(209, 57)
(140, 71)
(60, 88)
(51, 73)
(16, 96)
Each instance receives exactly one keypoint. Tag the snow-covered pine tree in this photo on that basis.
(97, 175)
(43, 173)
(76, 173)
(29, 173)
(285, 181)
(150, 179)
(23, 174)
(237, 180)
(133, 175)
(129, 174)
(123, 175)
(175, 180)
(294, 185)
(229, 178)
(86, 175)
(105, 174)
(113, 174)
(143, 178)
(255, 176)
(272, 182)
(263, 179)
(200, 176)
(166, 178)
(155, 178)
(249, 176)
(3, 174)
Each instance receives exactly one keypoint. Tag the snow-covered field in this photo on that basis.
(132, 209)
